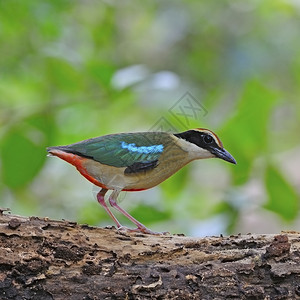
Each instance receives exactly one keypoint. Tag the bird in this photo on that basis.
(137, 161)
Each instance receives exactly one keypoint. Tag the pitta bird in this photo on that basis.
(138, 161)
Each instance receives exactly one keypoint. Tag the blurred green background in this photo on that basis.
(72, 70)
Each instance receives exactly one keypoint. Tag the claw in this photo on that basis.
(144, 230)
(112, 201)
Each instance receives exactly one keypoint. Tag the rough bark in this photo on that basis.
(46, 259)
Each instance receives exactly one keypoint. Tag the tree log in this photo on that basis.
(48, 259)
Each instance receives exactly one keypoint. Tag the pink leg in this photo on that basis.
(140, 227)
(100, 198)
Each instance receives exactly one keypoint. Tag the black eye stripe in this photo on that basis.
(201, 139)
(208, 139)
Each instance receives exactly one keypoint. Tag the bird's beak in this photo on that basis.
(223, 154)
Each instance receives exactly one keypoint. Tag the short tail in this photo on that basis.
(53, 149)
(56, 150)
(49, 150)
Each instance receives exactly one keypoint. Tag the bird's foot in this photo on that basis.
(144, 230)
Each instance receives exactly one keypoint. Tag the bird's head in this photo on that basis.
(203, 143)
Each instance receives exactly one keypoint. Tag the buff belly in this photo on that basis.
(114, 178)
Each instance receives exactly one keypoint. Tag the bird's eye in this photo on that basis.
(208, 139)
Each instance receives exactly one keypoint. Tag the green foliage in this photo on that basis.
(283, 198)
(62, 80)
(246, 132)
(63, 76)
(173, 186)
(92, 214)
(149, 214)
(231, 212)
(23, 150)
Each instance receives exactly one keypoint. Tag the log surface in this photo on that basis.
(48, 259)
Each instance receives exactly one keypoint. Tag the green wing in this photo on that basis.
(121, 150)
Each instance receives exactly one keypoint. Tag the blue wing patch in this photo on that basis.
(138, 150)
(143, 149)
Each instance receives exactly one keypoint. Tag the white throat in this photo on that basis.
(194, 151)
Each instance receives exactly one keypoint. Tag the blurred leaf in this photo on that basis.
(283, 198)
(149, 214)
(174, 185)
(92, 213)
(230, 211)
(245, 135)
(63, 76)
(63, 55)
(102, 72)
(23, 150)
